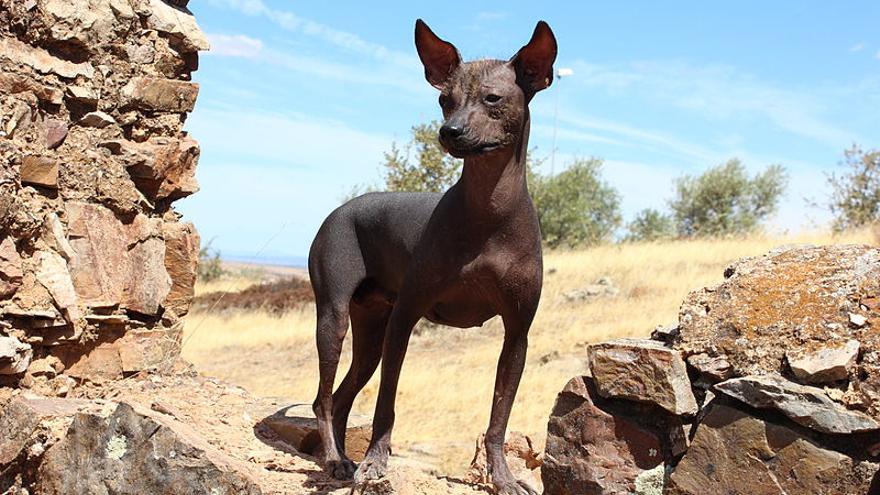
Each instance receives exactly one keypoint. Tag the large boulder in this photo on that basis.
(134, 452)
(772, 310)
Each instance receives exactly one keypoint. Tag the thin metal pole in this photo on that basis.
(555, 125)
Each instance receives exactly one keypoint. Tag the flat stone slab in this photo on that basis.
(297, 426)
(805, 405)
(735, 453)
(643, 371)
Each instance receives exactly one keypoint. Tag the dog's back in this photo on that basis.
(370, 237)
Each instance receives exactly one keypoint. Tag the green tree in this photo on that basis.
(855, 194)
(576, 207)
(724, 200)
(650, 225)
(430, 170)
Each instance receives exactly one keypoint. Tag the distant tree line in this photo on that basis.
(576, 207)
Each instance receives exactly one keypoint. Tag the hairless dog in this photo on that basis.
(385, 260)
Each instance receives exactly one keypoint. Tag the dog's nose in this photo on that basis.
(451, 131)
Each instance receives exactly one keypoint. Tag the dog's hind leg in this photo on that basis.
(335, 268)
(368, 321)
(331, 329)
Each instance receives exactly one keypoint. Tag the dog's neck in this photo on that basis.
(494, 185)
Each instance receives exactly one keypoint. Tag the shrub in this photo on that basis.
(650, 225)
(855, 194)
(724, 200)
(576, 207)
(210, 265)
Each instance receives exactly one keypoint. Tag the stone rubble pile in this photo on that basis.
(96, 267)
(769, 384)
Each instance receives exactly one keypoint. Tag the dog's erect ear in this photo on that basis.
(534, 62)
(439, 57)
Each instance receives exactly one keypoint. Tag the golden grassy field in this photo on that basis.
(446, 385)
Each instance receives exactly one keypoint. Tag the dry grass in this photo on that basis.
(446, 386)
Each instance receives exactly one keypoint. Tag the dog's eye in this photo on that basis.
(491, 98)
(444, 101)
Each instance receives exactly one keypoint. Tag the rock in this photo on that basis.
(603, 287)
(148, 283)
(712, 367)
(665, 333)
(56, 132)
(772, 301)
(405, 480)
(141, 350)
(40, 60)
(138, 451)
(10, 268)
(97, 119)
(97, 365)
(790, 299)
(643, 371)
(82, 95)
(54, 237)
(39, 171)
(179, 25)
(48, 366)
(52, 273)
(85, 25)
(808, 406)
(162, 95)
(296, 426)
(521, 459)
(182, 263)
(141, 54)
(162, 168)
(15, 356)
(651, 482)
(591, 451)
(734, 453)
(100, 266)
(20, 119)
(29, 421)
(857, 320)
(826, 364)
(18, 83)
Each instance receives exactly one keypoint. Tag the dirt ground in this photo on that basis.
(229, 418)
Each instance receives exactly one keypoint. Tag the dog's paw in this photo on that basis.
(514, 487)
(370, 469)
(341, 470)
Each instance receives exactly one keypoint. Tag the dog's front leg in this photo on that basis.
(404, 316)
(511, 363)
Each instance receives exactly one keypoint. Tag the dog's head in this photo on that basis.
(484, 102)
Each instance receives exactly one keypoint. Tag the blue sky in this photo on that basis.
(299, 100)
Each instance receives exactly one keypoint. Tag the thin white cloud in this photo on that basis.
(857, 47)
(719, 92)
(292, 22)
(235, 45)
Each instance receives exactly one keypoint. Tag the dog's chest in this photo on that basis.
(469, 299)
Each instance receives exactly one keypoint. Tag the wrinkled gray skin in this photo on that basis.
(385, 260)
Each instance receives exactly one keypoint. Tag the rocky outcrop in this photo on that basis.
(783, 358)
(96, 268)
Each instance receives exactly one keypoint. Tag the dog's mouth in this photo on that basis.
(462, 150)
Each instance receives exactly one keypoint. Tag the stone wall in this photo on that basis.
(96, 267)
(768, 384)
